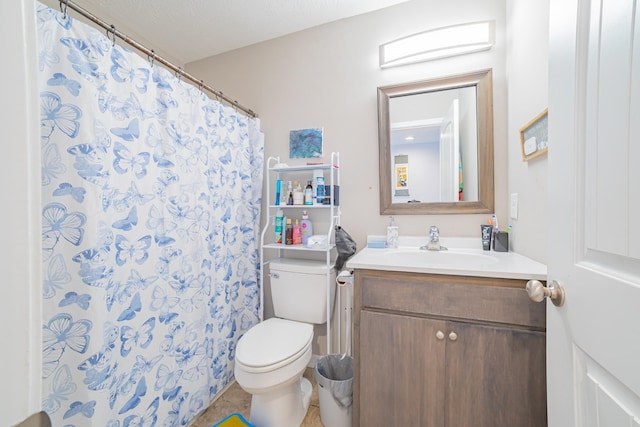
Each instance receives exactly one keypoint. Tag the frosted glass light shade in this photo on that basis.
(438, 43)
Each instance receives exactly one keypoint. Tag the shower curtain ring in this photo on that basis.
(179, 73)
(64, 11)
(113, 32)
(201, 86)
(153, 57)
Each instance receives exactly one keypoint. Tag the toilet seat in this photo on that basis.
(272, 344)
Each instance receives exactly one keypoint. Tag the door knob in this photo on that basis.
(453, 336)
(440, 335)
(537, 292)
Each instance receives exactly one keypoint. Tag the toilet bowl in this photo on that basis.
(272, 356)
(270, 360)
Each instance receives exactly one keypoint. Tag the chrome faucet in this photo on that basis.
(434, 240)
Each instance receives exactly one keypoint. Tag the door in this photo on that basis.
(593, 340)
(450, 154)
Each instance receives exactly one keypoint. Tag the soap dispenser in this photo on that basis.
(392, 234)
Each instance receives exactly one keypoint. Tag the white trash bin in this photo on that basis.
(334, 375)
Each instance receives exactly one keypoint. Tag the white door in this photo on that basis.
(593, 341)
(449, 153)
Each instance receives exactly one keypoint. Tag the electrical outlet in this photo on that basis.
(513, 206)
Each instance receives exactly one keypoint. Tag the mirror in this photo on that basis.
(436, 146)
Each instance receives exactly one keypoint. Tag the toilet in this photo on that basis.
(272, 356)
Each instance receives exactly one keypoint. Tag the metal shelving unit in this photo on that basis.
(329, 213)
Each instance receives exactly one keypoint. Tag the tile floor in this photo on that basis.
(234, 399)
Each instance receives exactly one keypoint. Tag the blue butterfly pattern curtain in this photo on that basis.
(151, 199)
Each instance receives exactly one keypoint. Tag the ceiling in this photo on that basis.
(189, 30)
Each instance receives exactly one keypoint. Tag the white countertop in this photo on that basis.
(464, 258)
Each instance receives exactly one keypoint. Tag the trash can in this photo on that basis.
(334, 375)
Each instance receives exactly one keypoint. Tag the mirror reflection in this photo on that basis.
(435, 132)
(436, 146)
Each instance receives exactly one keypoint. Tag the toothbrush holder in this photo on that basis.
(501, 241)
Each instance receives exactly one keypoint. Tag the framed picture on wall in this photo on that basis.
(401, 177)
(534, 136)
(305, 143)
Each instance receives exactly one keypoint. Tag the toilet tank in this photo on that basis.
(299, 289)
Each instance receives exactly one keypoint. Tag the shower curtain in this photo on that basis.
(151, 199)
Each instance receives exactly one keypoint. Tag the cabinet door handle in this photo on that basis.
(440, 335)
(453, 336)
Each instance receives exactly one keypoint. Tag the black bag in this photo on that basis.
(346, 247)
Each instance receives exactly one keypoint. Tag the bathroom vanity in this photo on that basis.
(441, 344)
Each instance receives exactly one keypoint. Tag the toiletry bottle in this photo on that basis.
(306, 229)
(290, 191)
(278, 226)
(308, 194)
(288, 234)
(278, 185)
(297, 237)
(392, 234)
(319, 199)
(298, 194)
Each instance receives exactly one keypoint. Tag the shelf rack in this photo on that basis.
(330, 212)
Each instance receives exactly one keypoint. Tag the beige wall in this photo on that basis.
(527, 74)
(327, 77)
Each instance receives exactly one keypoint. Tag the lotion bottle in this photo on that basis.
(298, 194)
(392, 234)
(306, 229)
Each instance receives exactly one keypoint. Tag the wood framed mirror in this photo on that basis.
(436, 146)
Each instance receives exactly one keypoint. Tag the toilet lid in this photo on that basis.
(272, 342)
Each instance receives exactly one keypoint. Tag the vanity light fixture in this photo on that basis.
(438, 43)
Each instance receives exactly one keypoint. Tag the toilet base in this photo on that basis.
(284, 407)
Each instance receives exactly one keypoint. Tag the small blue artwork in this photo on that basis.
(305, 143)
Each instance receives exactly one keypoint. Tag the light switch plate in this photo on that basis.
(513, 206)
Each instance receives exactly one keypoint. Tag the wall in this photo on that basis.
(327, 77)
(20, 318)
(527, 76)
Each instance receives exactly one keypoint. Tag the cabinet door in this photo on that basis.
(401, 370)
(496, 377)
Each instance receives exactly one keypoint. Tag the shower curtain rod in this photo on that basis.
(64, 4)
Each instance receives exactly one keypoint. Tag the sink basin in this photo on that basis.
(453, 258)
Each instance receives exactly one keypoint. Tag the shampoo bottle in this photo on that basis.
(306, 229)
(278, 226)
(392, 234)
(297, 238)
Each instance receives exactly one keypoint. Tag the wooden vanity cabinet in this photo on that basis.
(447, 351)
